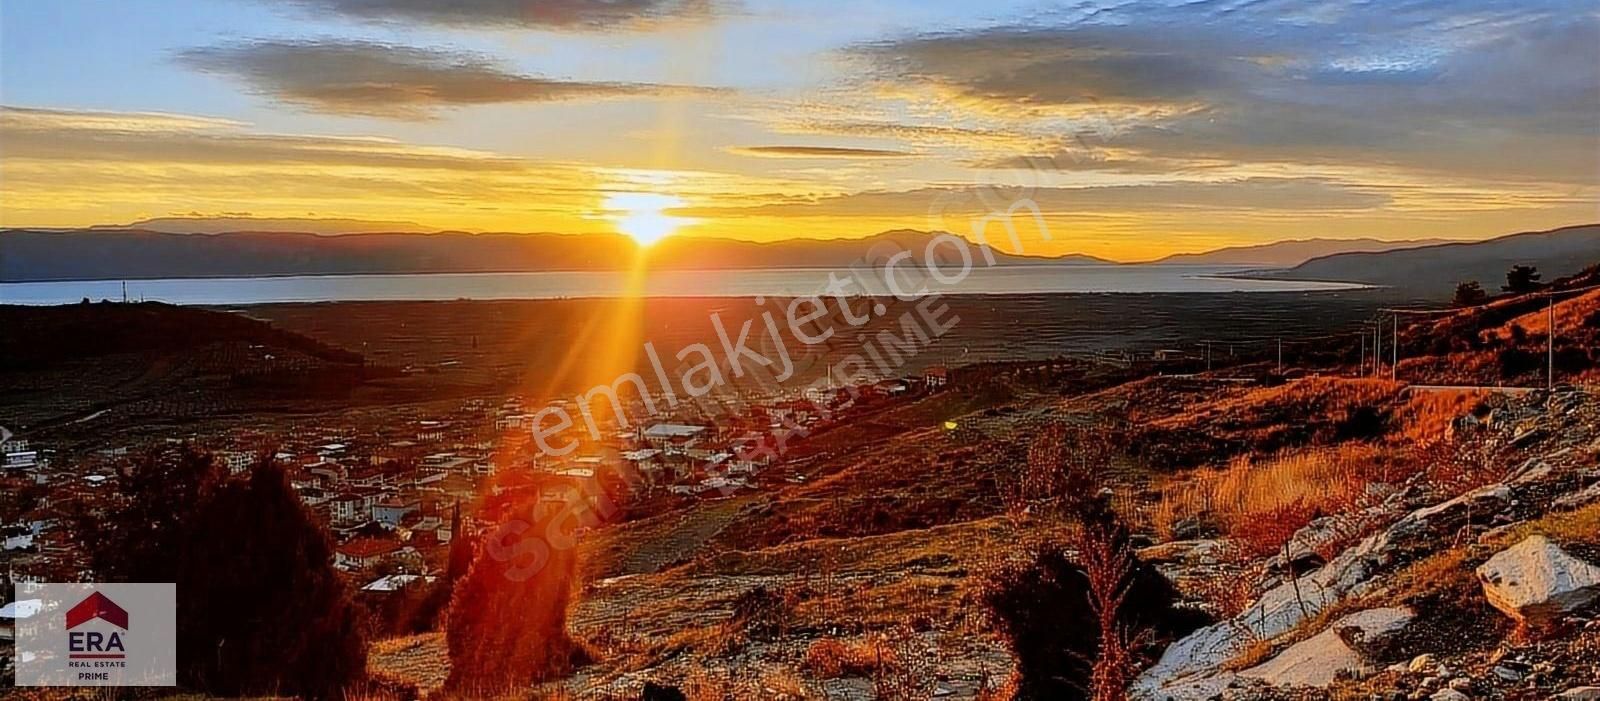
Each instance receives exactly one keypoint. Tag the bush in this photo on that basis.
(831, 658)
(1077, 616)
(1515, 362)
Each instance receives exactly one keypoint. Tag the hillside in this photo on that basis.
(1287, 254)
(1435, 270)
(1290, 512)
(146, 364)
(136, 254)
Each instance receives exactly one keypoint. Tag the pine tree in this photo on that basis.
(507, 621)
(260, 607)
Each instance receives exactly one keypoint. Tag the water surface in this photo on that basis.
(1052, 279)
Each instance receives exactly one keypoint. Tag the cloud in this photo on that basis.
(93, 167)
(817, 152)
(1472, 89)
(94, 137)
(1250, 194)
(390, 81)
(1063, 67)
(566, 15)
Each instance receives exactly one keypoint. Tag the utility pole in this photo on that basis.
(1280, 356)
(1394, 350)
(1363, 355)
(1550, 347)
(1208, 356)
(1377, 349)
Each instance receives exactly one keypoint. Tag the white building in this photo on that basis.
(681, 435)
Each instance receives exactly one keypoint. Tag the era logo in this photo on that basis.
(94, 644)
(79, 641)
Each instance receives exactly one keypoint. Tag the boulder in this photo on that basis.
(1580, 693)
(1347, 648)
(1536, 582)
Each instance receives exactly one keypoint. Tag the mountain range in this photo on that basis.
(1437, 269)
(187, 248)
(1287, 254)
(104, 254)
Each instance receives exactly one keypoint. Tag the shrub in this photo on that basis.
(832, 658)
(1059, 616)
(1515, 362)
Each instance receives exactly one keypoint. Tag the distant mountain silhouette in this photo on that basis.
(101, 254)
(303, 225)
(1435, 270)
(1287, 254)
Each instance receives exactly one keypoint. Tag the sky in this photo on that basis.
(1133, 129)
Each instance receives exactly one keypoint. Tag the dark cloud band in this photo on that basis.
(399, 82)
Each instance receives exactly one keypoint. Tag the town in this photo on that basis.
(393, 492)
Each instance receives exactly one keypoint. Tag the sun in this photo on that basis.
(640, 215)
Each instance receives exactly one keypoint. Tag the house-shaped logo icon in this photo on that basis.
(97, 605)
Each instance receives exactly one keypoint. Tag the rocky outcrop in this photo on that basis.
(1536, 582)
(1191, 668)
(1348, 648)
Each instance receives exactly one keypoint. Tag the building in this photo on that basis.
(237, 461)
(365, 553)
(16, 611)
(15, 454)
(394, 582)
(390, 512)
(936, 376)
(675, 435)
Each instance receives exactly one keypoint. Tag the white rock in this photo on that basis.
(1535, 581)
(1422, 664)
(1580, 693)
(1319, 660)
(1449, 695)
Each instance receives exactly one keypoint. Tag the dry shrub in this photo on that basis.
(1109, 565)
(832, 658)
(1044, 608)
(906, 670)
(1266, 532)
(1061, 472)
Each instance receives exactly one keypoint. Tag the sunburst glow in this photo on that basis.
(641, 215)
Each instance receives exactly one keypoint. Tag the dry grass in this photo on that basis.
(420, 661)
(1261, 502)
(1570, 313)
(1429, 417)
(1579, 527)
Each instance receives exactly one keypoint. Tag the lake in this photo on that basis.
(1042, 279)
